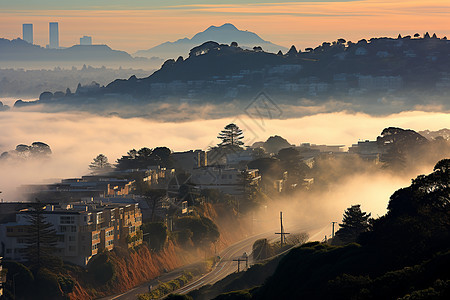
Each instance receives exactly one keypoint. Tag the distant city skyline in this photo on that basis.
(144, 24)
(27, 33)
(53, 35)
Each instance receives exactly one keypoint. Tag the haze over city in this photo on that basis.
(224, 149)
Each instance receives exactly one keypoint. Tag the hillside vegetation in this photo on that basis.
(406, 254)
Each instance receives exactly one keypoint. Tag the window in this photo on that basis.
(73, 228)
(9, 229)
(67, 219)
(71, 238)
(95, 236)
(95, 246)
(63, 228)
(21, 241)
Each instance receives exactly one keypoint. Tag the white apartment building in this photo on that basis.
(82, 230)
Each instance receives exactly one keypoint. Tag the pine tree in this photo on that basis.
(41, 239)
(231, 136)
(353, 224)
(100, 164)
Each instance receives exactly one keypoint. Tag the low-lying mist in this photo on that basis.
(313, 211)
(76, 138)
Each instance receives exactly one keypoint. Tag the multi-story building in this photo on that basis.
(76, 189)
(368, 150)
(190, 159)
(27, 33)
(53, 35)
(82, 230)
(227, 180)
(86, 41)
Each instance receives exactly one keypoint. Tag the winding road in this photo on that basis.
(223, 268)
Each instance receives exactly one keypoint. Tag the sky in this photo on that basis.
(142, 24)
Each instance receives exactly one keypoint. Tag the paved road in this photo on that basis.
(226, 265)
(223, 268)
(143, 288)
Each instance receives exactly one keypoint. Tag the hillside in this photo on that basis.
(379, 76)
(405, 254)
(225, 34)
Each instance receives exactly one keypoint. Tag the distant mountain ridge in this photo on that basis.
(376, 76)
(18, 50)
(224, 34)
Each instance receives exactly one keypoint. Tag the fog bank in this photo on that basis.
(76, 138)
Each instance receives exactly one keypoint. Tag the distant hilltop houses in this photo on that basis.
(376, 76)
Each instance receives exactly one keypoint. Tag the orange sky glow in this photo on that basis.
(305, 24)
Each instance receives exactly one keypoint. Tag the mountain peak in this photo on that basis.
(226, 26)
(223, 34)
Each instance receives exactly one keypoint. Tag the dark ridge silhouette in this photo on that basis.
(225, 34)
(18, 49)
(379, 76)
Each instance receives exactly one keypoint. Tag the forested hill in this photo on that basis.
(400, 73)
(405, 254)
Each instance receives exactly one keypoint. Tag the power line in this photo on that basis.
(282, 233)
(332, 232)
(244, 258)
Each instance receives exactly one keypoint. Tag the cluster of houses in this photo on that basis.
(98, 212)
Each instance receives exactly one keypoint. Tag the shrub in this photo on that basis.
(157, 235)
(101, 268)
(47, 284)
(66, 283)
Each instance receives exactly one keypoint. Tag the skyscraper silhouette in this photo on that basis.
(27, 33)
(53, 35)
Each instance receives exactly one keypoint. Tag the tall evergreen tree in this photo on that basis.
(231, 136)
(353, 224)
(41, 239)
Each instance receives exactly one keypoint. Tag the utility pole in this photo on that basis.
(239, 262)
(332, 232)
(282, 233)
